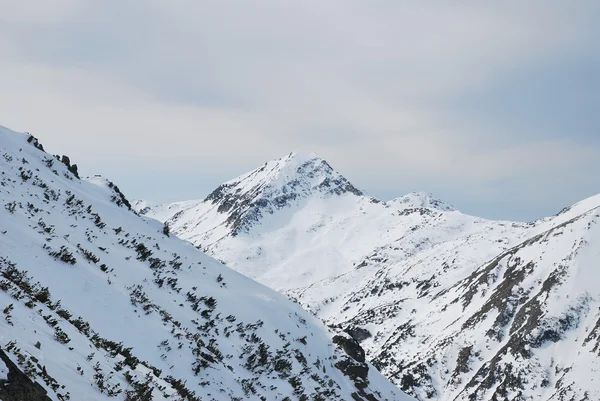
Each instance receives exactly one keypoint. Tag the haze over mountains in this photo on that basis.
(448, 306)
(100, 303)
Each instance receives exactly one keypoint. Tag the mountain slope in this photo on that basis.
(295, 211)
(446, 305)
(519, 326)
(99, 303)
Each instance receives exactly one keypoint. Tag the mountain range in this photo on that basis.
(101, 303)
(446, 305)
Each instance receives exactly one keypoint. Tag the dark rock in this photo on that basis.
(353, 364)
(362, 396)
(358, 333)
(463, 360)
(244, 208)
(358, 372)
(350, 347)
(19, 387)
(120, 199)
(34, 141)
(72, 168)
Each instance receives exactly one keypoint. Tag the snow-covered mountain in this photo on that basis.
(293, 210)
(100, 303)
(448, 306)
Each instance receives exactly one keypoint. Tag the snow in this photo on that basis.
(175, 308)
(424, 279)
(420, 200)
(161, 212)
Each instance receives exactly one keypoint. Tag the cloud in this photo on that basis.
(400, 95)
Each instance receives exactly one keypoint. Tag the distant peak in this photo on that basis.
(300, 172)
(277, 184)
(293, 162)
(290, 168)
(297, 164)
(419, 200)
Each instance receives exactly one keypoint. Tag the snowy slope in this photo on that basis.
(160, 212)
(521, 324)
(448, 306)
(100, 303)
(295, 211)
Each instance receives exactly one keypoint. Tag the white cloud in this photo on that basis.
(217, 85)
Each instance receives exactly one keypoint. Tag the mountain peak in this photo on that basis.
(291, 166)
(293, 163)
(278, 184)
(296, 172)
(421, 200)
(301, 157)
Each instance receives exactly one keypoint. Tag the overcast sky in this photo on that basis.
(493, 108)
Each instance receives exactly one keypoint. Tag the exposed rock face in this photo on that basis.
(119, 198)
(274, 186)
(34, 141)
(353, 365)
(358, 333)
(351, 347)
(19, 387)
(72, 168)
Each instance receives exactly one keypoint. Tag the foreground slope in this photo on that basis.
(99, 303)
(446, 305)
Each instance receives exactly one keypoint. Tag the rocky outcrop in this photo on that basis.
(72, 168)
(34, 141)
(353, 364)
(17, 386)
(358, 333)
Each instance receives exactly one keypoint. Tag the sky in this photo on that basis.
(491, 106)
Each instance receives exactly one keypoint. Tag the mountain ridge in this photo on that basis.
(449, 306)
(100, 303)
